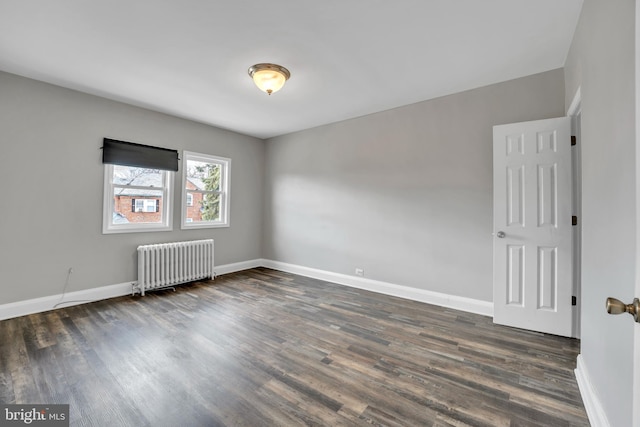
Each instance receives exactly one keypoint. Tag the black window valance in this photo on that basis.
(138, 155)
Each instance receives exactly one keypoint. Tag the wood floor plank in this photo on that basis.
(266, 348)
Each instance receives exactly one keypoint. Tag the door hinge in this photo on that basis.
(574, 220)
(574, 140)
(574, 300)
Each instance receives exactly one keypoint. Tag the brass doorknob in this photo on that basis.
(615, 306)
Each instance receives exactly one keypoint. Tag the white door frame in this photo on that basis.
(575, 112)
(636, 368)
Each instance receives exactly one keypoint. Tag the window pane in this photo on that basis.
(137, 205)
(206, 207)
(210, 207)
(126, 175)
(193, 209)
(203, 176)
(136, 200)
(150, 205)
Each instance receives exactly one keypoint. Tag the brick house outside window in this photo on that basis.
(140, 205)
(194, 200)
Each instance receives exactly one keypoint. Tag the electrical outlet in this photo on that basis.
(359, 272)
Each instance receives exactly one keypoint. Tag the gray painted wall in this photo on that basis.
(52, 187)
(601, 62)
(405, 194)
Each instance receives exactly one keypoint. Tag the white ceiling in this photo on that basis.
(347, 58)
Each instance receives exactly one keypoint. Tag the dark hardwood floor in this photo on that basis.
(266, 348)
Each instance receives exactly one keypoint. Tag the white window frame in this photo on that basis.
(225, 174)
(166, 223)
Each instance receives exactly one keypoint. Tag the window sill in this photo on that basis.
(192, 225)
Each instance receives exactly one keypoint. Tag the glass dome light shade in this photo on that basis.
(269, 77)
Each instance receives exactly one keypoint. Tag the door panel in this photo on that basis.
(515, 196)
(532, 207)
(547, 202)
(547, 274)
(515, 275)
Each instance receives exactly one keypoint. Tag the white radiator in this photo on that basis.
(167, 264)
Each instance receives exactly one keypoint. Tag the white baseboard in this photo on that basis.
(39, 305)
(237, 266)
(595, 411)
(450, 301)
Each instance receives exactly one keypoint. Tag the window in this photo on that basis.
(136, 199)
(145, 205)
(138, 205)
(205, 189)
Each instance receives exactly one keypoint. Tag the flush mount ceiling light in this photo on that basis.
(269, 77)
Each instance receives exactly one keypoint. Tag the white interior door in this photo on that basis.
(532, 210)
